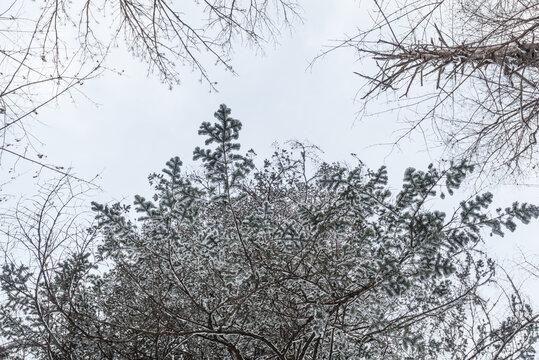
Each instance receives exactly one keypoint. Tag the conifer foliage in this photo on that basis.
(239, 262)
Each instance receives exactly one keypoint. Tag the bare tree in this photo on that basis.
(51, 47)
(470, 67)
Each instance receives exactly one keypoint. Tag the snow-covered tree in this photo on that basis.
(237, 262)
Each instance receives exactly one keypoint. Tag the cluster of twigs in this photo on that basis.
(51, 48)
(476, 70)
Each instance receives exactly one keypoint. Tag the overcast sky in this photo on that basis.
(139, 123)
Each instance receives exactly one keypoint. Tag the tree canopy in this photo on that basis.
(275, 261)
(470, 67)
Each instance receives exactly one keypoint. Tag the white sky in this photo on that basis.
(139, 124)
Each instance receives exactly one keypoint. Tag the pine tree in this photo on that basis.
(272, 262)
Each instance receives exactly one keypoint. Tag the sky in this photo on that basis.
(126, 127)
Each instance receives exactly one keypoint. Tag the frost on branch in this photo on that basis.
(273, 262)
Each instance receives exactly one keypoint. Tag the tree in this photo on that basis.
(474, 65)
(239, 262)
(51, 47)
